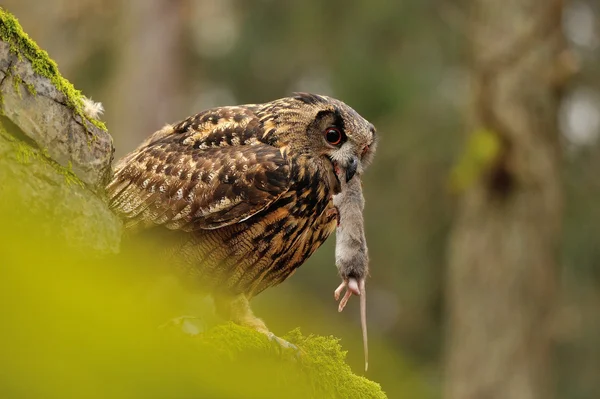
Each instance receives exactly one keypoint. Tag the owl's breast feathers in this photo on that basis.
(250, 213)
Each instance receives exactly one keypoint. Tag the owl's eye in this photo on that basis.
(333, 135)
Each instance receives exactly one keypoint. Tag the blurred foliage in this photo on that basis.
(401, 65)
(79, 325)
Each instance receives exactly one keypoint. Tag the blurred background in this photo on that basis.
(404, 66)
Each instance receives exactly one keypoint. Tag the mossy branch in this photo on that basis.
(48, 109)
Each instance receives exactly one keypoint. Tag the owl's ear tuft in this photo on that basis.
(309, 98)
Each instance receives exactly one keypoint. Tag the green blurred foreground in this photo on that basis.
(79, 324)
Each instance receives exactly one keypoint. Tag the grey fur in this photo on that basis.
(351, 253)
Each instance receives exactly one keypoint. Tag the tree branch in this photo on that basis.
(48, 109)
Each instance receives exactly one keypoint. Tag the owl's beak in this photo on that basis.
(351, 168)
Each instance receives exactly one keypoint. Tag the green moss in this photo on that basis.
(18, 82)
(30, 88)
(481, 152)
(324, 363)
(26, 154)
(319, 370)
(20, 44)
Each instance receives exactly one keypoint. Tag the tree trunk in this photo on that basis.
(503, 253)
(148, 72)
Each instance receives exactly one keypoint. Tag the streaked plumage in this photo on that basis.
(244, 193)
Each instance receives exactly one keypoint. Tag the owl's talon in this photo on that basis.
(282, 342)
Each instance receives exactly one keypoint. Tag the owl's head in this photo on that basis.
(322, 127)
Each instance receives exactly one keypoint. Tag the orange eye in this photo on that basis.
(333, 135)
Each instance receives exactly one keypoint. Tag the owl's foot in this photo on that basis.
(237, 309)
(282, 342)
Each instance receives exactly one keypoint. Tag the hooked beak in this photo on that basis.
(351, 168)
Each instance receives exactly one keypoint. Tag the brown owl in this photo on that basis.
(243, 195)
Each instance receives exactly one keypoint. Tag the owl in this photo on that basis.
(241, 196)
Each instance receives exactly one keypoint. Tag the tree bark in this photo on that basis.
(503, 252)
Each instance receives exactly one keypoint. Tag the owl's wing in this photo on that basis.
(199, 176)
